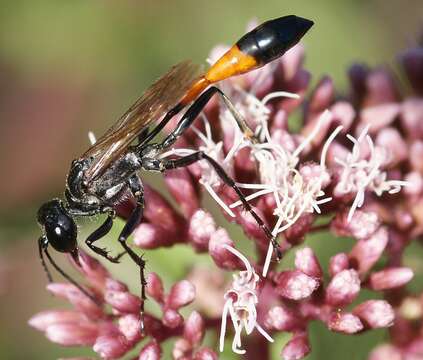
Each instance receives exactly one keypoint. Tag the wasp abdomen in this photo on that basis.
(258, 47)
(273, 38)
(255, 49)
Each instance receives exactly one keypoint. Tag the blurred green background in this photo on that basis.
(67, 67)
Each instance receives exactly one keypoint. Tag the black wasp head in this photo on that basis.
(59, 227)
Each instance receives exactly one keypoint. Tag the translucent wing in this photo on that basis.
(156, 101)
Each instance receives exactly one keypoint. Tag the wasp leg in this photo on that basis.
(102, 231)
(192, 113)
(200, 155)
(142, 135)
(169, 115)
(42, 248)
(137, 190)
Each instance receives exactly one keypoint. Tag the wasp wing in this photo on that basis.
(156, 101)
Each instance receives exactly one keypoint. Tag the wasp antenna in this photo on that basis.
(41, 247)
(71, 280)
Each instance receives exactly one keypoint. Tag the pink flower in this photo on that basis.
(352, 171)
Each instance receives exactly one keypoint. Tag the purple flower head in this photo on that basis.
(353, 169)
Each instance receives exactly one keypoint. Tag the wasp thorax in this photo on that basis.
(59, 227)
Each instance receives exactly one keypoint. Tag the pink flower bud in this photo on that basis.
(344, 323)
(343, 114)
(412, 61)
(375, 313)
(243, 163)
(390, 278)
(415, 181)
(152, 236)
(343, 288)
(312, 171)
(115, 285)
(380, 87)
(172, 319)
(307, 262)
(311, 125)
(296, 348)
(250, 226)
(129, 326)
(295, 233)
(159, 212)
(181, 294)
(201, 228)
(337, 263)
(379, 116)
(123, 302)
(391, 139)
(283, 137)
(44, 319)
(416, 155)
(194, 329)
(181, 186)
(151, 351)
(181, 350)
(411, 118)
(415, 349)
(322, 95)
(111, 346)
(366, 253)
(78, 299)
(292, 61)
(282, 319)
(154, 287)
(205, 354)
(363, 224)
(357, 74)
(336, 151)
(93, 269)
(72, 334)
(386, 352)
(295, 284)
(222, 257)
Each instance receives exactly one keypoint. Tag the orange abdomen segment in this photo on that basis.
(233, 62)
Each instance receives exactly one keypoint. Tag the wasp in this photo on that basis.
(110, 168)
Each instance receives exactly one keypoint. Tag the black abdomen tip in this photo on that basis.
(298, 25)
(273, 38)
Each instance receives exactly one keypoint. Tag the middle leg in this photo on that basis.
(102, 231)
(200, 155)
(137, 190)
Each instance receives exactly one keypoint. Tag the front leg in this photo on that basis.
(137, 190)
(102, 231)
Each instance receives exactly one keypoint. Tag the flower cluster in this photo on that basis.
(353, 167)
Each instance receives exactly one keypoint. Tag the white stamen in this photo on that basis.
(226, 307)
(91, 138)
(277, 94)
(268, 259)
(241, 257)
(243, 312)
(218, 199)
(360, 175)
(325, 117)
(327, 144)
